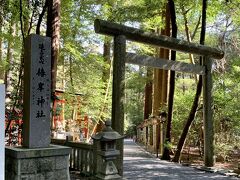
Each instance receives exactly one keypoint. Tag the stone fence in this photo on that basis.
(83, 157)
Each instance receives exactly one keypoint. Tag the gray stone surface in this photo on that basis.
(62, 174)
(47, 164)
(28, 166)
(49, 175)
(52, 150)
(61, 161)
(37, 164)
(140, 165)
(37, 91)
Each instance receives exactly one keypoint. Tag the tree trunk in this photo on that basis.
(24, 19)
(105, 77)
(53, 31)
(160, 83)
(25, 27)
(71, 71)
(157, 100)
(190, 119)
(157, 88)
(165, 80)
(189, 39)
(41, 15)
(148, 94)
(107, 80)
(8, 74)
(197, 95)
(166, 151)
(107, 60)
(19, 86)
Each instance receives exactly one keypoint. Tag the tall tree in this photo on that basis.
(166, 151)
(41, 15)
(105, 78)
(160, 80)
(53, 31)
(148, 95)
(8, 73)
(198, 92)
(189, 38)
(17, 93)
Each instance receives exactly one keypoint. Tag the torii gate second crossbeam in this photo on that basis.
(122, 33)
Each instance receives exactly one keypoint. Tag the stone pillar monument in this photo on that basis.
(37, 159)
(2, 130)
(37, 92)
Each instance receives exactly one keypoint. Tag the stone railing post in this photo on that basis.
(68, 138)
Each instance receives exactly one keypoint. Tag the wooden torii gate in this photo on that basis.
(122, 33)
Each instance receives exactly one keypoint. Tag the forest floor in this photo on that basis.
(230, 163)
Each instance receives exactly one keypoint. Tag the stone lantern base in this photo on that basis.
(108, 171)
(39, 163)
(109, 177)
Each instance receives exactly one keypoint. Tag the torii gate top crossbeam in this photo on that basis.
(113, 29)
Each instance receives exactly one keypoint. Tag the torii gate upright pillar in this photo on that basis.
(208, 114)
(118, 94)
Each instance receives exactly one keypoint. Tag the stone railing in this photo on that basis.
(82, 157)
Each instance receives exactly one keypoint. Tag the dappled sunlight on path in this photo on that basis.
(138, 164)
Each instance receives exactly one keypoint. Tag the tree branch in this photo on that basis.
(41, 17)
(184, 12)
(196, 28)
(166, 151)
(21, 21)
(31, 21)
(194, 107)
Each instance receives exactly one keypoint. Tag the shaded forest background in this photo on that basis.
(82, 60)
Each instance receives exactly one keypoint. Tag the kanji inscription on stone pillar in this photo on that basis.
(37, 91)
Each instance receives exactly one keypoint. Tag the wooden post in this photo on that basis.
(208, 114)
(2, 131)
(118, 93)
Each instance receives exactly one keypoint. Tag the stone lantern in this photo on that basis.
(107, 138)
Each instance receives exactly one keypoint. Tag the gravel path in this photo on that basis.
(140, 165)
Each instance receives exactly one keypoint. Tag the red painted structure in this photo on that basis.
(13, 135)
(58, 111)
(13, 120)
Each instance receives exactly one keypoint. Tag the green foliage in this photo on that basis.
(81, 65)
(168, 145)
(135, 83)
(183, 99)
